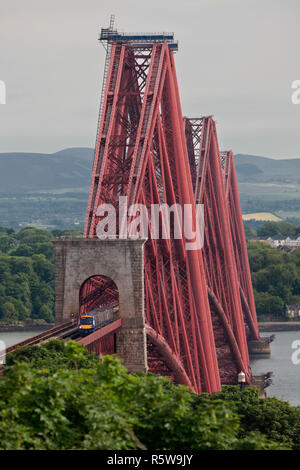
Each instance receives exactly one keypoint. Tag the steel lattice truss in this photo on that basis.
(147, 152)
(225, 252)
(97, 291)
(239, 244)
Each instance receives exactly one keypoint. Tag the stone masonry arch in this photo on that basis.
(77, 259)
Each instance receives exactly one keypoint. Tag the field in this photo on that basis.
(267, 216)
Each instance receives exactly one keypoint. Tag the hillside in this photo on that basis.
(268, 185)
(51, 190)
(30, 172)
(71, 168)
(251, 168)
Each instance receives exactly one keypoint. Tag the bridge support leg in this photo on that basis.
(259, 348)
(78, 259)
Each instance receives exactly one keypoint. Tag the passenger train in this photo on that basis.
(88, 322)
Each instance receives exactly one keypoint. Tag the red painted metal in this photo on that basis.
(102, 341)
(147, 152)
(141, 153)
(169, 357)
(239, 243)
(199, 304)
(98, 291)
(220, 250)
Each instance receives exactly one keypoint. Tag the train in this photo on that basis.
(88, 322)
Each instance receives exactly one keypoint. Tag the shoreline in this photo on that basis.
(262, 326)
(278, 326)
(7, 328)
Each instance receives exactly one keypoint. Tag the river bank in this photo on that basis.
(279, 326)
(24, 326)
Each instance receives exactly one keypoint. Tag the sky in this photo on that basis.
(237, 60)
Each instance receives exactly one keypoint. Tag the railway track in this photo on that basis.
(65, 331)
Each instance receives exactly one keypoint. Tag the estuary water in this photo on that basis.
(286, 377)
(13, 337)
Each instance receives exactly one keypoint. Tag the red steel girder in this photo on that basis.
(102, 340)
(141, 153)
(239, 243)
(219, 253)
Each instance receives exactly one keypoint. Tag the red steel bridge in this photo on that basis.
(199, 304)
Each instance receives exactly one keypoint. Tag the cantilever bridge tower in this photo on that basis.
(199, 308)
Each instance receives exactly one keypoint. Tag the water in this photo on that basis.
(286, 377)
(13, 337)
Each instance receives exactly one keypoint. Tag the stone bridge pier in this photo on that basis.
(78, 259)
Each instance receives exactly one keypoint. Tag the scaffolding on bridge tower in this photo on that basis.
(146, 151)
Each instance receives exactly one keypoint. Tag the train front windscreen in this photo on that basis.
(86, 323)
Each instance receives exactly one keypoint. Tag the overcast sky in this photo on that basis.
(237, 60)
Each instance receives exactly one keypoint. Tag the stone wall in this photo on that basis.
(77, 259)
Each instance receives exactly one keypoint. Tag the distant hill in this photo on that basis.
(268, 185)
(71, 168)
(30, 172)
(252, 168)
(51, 190)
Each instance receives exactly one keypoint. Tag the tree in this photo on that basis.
(26, 274)
(43, 267)
(267, 304)
(46, 313)
(284, 229)
(7, 243)
(32, 235)
(276, 419)
(4, 269)
(22, 250)
(9, 312)
(275, 278)
(249, 232)
(57, 396)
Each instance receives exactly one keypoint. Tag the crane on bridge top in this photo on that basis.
(199, 307)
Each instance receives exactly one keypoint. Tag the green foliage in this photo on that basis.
(275, 278)
(27, 273)
(276, 419)
(57, 396)
(6, 243)
(31, 235)
(249, 231)
(53, 355)
(267, 304)
(57, 211)
(281, 229)
(10, 313)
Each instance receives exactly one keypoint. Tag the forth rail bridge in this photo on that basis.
(185, 314)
